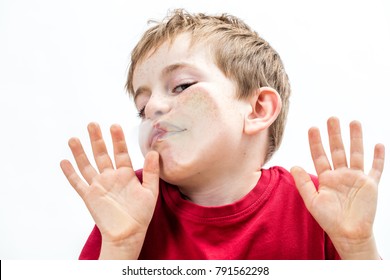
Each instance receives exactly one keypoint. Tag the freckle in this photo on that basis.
(199, 101)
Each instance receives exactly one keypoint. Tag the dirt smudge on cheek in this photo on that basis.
(198, 104)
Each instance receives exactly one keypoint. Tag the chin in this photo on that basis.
(174, 172)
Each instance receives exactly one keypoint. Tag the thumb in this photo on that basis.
(151, 172)
(305, 185)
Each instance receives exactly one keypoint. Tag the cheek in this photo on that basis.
(212, 112)
(199, 104)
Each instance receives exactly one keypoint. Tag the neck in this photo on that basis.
(229, 179)
(221, 190)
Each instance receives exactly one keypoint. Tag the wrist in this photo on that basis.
(357, 249)
(124, 249)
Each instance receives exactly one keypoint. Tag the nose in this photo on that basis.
(158, 105)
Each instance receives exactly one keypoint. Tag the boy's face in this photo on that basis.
(190, 113)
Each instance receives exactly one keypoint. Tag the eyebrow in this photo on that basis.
(173, 67)
(165, 72)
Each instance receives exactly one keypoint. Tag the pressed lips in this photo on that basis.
(161, 131)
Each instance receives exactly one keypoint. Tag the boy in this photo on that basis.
(213, 99)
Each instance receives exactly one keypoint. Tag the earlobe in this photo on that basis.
(266, 105)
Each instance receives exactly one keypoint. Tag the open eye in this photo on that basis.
(182, 87)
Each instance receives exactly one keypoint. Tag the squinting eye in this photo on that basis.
(181, 88)
(141, 113)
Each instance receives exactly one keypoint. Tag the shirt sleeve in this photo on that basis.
(330, 250)
(91, 249)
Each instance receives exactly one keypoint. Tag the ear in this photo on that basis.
(266, 105)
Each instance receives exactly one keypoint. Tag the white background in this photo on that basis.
(64, 63)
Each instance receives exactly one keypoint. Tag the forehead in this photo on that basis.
(185, 41)
(180, 51)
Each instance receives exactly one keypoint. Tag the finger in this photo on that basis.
(305, 186)
(151, 172)
(337, 151)
(73, 178)
(121, 154)
(357, 150)
(378, 163)
(102, 159)
(320, 160)
(85, 167)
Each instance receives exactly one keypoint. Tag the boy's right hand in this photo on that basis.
(120, 205)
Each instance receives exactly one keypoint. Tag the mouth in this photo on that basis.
(163, 130)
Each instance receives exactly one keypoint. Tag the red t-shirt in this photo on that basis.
(270, 222)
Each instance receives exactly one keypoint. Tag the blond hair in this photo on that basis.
(240, 53)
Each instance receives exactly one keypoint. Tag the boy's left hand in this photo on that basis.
(345, 203)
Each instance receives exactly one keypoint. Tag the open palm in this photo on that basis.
(120, 205)
(345, 202)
